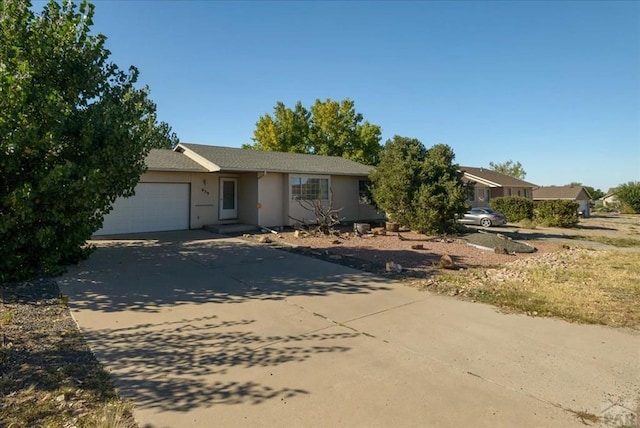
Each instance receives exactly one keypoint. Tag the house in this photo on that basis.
(610, 198)
(196, 185)
(489, 184)
(570, 193)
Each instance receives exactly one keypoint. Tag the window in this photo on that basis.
(364, 192)
(309, 188)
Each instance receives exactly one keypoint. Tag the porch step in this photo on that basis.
(230, 229)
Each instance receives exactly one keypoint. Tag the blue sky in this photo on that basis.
(554, 85)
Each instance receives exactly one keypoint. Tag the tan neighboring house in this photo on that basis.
(610, 198)
(570, 193)
(196, 185)
(489, 184)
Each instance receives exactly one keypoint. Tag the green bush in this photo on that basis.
(628, 209)
(629, 196)
(558, 213)
(527, 223)
(515, 208)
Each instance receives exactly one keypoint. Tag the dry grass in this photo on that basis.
(598, 287)
(50, 377)
(616, 242)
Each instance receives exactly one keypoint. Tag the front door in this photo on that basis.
(228, 198)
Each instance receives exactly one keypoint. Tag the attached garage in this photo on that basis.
(155, 207)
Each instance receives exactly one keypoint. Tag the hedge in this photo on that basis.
(515, 208)
(558, 213)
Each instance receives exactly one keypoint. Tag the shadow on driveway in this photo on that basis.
(146, 274)
(156, 313)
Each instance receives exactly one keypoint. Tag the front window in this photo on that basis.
(309, 188)
(364, 192)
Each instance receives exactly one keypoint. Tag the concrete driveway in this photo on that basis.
(201, 331)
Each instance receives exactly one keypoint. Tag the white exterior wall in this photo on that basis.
(584, 208)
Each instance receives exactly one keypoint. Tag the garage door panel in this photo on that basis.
(154, 207)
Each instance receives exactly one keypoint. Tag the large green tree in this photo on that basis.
(286, 131)
(629, 196)
(74, 133)
(328, 128)
(418, 187)
(511, 168)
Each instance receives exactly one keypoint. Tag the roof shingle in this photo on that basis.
(168, 160)
(561, 192)
(234, 159)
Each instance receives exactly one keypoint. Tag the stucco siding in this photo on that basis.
(271, 199)
(345, 196)
(204, 195)
(247, 198)
(166, 177)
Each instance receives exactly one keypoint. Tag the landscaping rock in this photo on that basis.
(393, 267)
(491, 241)
(379, 231)
(300, 234)
(446, 262)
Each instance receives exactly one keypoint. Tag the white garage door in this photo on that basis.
(154, 207)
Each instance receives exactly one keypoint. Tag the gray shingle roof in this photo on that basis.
(561, 192)
(496, 177)
(234, 159)
(168, 160)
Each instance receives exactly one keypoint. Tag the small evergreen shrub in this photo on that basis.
(527, 223)
(515, 208)
(559, 213)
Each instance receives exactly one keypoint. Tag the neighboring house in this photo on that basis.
(570, 193)
(489, 184)
(610, 198)
(196, 185)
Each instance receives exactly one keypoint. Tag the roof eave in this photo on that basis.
(206, 163)
(482, 180)
(302, 171)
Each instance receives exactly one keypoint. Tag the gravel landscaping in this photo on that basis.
(417, 254)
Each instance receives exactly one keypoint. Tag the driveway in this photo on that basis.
(200, 330)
